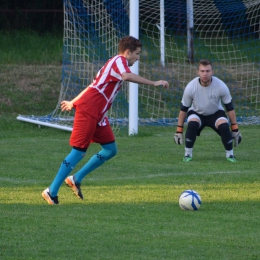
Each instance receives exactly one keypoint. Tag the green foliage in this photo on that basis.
(29, 47)
(29, 89)
(130, 210)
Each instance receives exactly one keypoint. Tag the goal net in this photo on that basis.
(175, 35)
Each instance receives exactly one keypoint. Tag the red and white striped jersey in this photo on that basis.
(102, 92)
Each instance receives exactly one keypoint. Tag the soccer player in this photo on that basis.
(202, 104)
(91, 123)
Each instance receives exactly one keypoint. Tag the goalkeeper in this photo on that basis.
(202, 105)
(90, 121)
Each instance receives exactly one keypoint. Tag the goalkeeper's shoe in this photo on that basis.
(74, 186)
(231, 158)
(187, 158)
(47, 196)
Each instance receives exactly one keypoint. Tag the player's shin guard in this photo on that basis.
(108, 151)
(191, 133)
(66, 167)
(226, 136)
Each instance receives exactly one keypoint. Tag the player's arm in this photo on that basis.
(181, 118)
(68, 105)
(131, 77)
(232, 116)
(234, 127)
(178, 136)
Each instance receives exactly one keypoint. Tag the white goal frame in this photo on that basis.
(169, 52)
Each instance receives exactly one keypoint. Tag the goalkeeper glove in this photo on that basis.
(236, 135)
(178, 137)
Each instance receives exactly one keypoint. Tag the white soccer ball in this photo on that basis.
(190, 200)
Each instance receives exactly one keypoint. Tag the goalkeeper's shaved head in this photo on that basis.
(128, 43)
(205, 62)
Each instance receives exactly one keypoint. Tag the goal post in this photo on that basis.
(133, 87)
(226, 32)
(190, 25)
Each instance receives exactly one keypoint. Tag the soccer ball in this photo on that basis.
(190, 200)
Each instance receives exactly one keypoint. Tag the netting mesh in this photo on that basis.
(226, 32)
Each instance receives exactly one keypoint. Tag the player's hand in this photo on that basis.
(178, 138)
(237, 138)
(163, 83)
(66, 105)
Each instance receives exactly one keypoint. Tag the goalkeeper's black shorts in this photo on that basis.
(209, 120)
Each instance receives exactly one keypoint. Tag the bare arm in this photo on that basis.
(138, 79)
(232, 116)
(181, 118)
(68, 105)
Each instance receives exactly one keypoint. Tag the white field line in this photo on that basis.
(150, 176)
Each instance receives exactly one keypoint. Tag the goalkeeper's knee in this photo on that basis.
(226, 136)
(193, 125)
(191, 133)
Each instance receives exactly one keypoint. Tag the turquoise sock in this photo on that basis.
(108, 151)
(66, 167)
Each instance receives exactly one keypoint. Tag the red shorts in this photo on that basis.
(86, 130)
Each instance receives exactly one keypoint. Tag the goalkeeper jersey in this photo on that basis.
(102, 92)
(206, 100)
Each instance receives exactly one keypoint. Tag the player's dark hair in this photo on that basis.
(205, 62)
(130, 43)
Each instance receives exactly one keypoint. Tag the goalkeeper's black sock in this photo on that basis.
(226, 136)
(191, 133)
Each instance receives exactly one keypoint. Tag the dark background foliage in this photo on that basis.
(38, 15)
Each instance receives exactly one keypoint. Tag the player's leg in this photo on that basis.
(108, 151)
(103, 135)
(226, 137)
(194, 123)
(79, 140)
(66, 167)
(74, 182)
(51, 194)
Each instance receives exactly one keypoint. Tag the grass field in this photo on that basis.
(130, 210)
